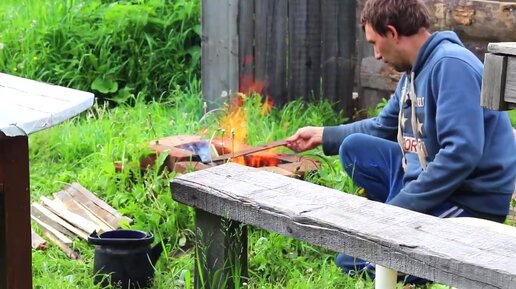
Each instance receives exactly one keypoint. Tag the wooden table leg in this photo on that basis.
(15, 243)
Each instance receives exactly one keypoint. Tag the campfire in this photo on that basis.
(187, 153)
(194, 152)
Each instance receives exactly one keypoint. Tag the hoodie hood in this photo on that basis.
(428, 48)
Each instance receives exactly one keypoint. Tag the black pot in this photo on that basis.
(126, 256)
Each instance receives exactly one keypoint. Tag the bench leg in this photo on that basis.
(385, 278)
(15, 236)
(221, 252)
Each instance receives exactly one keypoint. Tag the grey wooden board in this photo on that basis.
(510, 80)
(338, 52)
(89, 199)
(27, 106)
(246, 25)
(458, 255)
(502, 48)
(219, 44)
(304, 58)
(271, 47)
(376, 74)
(493, 82)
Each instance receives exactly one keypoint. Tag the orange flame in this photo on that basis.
(266, 106)
(249, 86)
(235, 123)
(258, 159)
(262, 159)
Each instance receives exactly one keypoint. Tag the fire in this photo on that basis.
(249, 87)
(262, 159)
(267, 106)
(259, 159)
(235, 124)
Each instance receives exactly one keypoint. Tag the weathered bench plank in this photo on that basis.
(459, 255)
(499, 79)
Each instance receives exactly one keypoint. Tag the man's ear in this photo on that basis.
(393, 32)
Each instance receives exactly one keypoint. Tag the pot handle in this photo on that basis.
(93, 237)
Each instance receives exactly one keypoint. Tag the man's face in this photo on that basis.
(386, 49)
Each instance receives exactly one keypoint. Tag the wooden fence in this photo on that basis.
(290, 49)
(285, 49)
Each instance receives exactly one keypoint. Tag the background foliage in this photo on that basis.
(113, 48)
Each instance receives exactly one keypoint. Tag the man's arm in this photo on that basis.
(385, 125)
(305, 138)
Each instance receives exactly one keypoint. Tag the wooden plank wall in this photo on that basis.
(304, 39)
(219, 40)
(338, 54)
(294, 48)
(270, 36)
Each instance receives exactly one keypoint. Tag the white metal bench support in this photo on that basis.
(385, 278)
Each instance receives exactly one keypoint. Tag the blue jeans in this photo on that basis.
(375, 165)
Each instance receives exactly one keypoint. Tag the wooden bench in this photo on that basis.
(463, 256)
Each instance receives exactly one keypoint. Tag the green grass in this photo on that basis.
(83, 150)
(512, 116)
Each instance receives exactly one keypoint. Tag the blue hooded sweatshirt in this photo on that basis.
(470, 150)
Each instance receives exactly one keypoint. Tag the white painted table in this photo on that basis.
(26, 106)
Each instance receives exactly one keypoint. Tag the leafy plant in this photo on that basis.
(112, 48)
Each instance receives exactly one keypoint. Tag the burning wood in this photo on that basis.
(191, 153)
(249, 151)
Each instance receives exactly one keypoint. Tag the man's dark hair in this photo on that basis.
(407, 16)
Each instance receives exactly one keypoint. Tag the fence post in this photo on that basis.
(219, 42)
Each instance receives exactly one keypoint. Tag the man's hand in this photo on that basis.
(305, 138)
